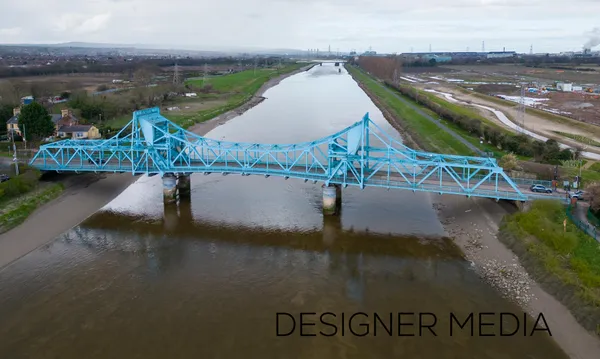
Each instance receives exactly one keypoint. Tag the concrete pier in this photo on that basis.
(169, 188)
(332, 199)
(183, 185)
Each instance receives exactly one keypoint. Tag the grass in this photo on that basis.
(595, 167)
(436, 139)
(16, 211)
(571, 257)
(244, 82)
(578, 138)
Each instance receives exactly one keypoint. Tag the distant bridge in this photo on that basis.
(361, 155)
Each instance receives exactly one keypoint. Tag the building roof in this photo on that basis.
(76, 128)
(55, 117)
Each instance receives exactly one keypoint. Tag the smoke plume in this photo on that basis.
(594, 38)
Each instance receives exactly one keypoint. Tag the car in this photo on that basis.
(577, 194)
(540, 188)
(4, 178)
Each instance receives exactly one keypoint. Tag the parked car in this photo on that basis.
(577, 194)
(4, 178)
(540, 188)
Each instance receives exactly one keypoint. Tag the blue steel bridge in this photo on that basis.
(361, 155)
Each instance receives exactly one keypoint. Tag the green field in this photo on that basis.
(242, 83)
(436, 139)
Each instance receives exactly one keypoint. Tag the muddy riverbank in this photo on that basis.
(473, 225)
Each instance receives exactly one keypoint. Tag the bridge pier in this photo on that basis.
(332, 199)
(184, 186)
(169, 188)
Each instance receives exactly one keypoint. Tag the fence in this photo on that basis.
(582, 225)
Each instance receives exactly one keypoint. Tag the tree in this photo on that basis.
(509, 162)
(35, 122)
(593, 192)
(6, 112)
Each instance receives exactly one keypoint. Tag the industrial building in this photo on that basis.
(501, 54)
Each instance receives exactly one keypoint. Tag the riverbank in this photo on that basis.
(85, 194)
(474, 225)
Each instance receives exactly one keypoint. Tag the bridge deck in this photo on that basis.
(433, 183)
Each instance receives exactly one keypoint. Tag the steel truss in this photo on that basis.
(361, 155)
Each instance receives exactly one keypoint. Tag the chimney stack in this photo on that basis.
(65, 113)
(16, 111)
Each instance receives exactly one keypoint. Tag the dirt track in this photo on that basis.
(533, 123)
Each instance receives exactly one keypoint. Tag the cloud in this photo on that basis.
(386, 25)
(13, 31)
(81, 24)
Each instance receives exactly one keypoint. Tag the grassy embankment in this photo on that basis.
(425, 134)
(226, 93)
(23, 194)
(565, 263)
(423, 130)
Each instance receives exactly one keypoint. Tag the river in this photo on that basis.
(205, 280)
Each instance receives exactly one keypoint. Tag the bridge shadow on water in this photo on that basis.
(214, 289)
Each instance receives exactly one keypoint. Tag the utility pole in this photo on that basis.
(176, 75)
(204, 75)
(15, 159)
(522, 107)
(24, 138)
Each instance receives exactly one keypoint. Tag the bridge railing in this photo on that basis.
(521, 181)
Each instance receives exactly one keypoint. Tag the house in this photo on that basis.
(12, 125)
(79, 132)
(65, 118)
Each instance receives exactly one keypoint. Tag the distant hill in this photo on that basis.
(204, 49)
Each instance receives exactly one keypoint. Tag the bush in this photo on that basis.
(545, 222)
(16, 186)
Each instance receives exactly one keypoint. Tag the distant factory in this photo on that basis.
(449, 56)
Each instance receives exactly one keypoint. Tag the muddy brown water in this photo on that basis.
(206, 279)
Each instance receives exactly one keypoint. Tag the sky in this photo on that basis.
(387, 26)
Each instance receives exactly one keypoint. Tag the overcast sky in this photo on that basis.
(386, 25)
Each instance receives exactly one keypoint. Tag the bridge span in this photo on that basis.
(361, 155)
